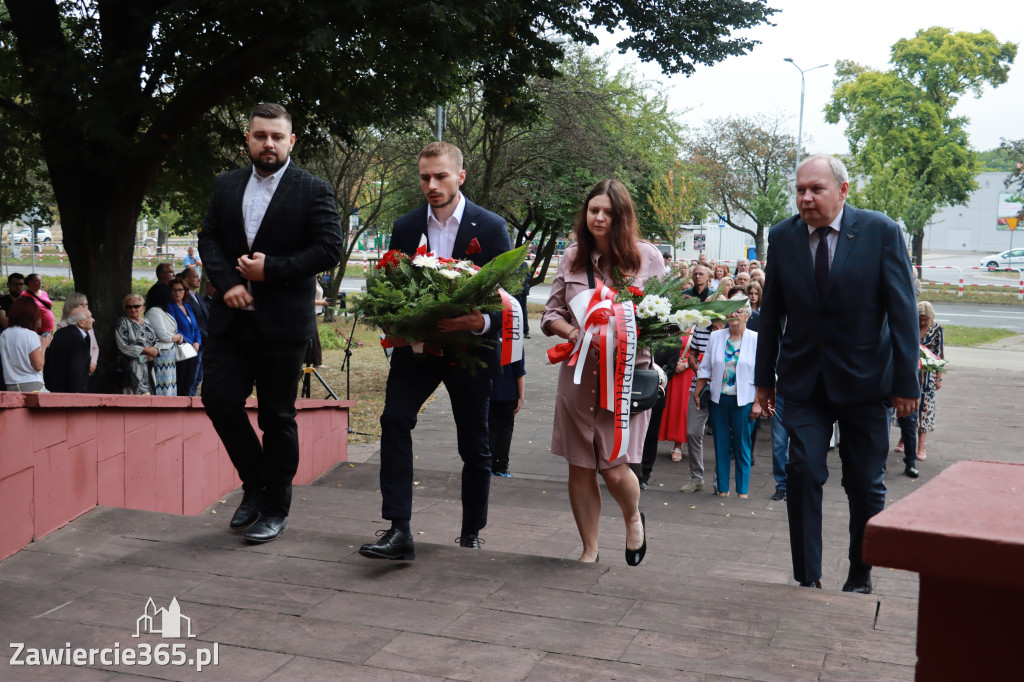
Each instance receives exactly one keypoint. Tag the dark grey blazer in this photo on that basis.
(862, 337)
(300, 236)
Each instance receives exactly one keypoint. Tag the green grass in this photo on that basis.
(946, 293)
(955, 335)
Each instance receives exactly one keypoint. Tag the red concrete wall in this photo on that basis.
(63, 454)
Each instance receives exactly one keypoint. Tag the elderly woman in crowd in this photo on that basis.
(607, 242)
(728, 368)
(931, 338)
(136, 342)
(22, 348)
(164, 373)
(76, 302)
(68, 357)
(34, 291)
(188, 328)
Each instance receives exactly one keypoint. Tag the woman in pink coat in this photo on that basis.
(608, 238)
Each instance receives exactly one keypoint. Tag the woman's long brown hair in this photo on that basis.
(624, 233)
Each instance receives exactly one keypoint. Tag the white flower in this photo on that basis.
(422, 261)
(654, 306)
(450, 274)
(466, 265)
(685, 318)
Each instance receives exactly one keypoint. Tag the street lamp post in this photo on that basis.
(800, 128)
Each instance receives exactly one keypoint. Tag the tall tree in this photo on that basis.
(744, 161)
(1014, 150)
(110, 95)
(679, 197)
(911, 151)
(590, 124)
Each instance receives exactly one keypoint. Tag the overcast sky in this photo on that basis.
(813, 33)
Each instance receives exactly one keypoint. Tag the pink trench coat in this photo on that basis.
(584, 432)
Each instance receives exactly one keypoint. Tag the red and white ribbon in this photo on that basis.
(511, 328)
(614, 325)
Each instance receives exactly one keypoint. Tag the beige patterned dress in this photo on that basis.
(583, 431)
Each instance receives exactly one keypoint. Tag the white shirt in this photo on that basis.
(442, 236)
(16, 345)
(832, 237)
(258, 193)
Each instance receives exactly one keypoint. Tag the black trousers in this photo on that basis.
(863, 451)
(234, 362)
(411, 381)
(646, 466)
(500, 424)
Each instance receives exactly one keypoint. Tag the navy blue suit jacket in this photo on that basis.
(300, 236)
(489, 229)
(862, 337)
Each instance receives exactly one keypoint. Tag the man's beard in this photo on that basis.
(268, 166)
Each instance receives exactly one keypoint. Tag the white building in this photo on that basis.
(978, 226)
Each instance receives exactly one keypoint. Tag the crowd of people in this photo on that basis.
(40, 355)
(775, 354)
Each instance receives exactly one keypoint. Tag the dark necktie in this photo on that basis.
(821, 261)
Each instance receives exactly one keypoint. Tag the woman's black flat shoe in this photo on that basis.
(635, 556)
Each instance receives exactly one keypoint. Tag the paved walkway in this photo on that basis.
(713, 600)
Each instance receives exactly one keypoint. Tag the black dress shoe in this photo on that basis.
(812, 583)
(635, 556)
(911, 471)
(248, 512)
(779, 495)
(858, 581)
(644, 485)
(266, 529)
(393, 544)
(470, 540)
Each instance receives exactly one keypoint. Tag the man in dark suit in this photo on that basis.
(67, 358)
(269, 230)
(454, 228)
(839, 283)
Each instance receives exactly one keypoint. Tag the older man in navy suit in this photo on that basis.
(454, 227)
(271, 227)
(838, 329)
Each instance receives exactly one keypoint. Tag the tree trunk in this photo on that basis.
(917, 248)
(98, 218)
(760, 244)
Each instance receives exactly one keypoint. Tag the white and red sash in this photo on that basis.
(614, 325)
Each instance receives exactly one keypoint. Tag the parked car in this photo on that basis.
(24, 236)
(1011, 258)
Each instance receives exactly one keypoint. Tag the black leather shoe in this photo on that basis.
(812, 583)
(858, 581)
(779, 495)
(911, 471)
(470, 540)
(266, 529)
(248, 512)
(635, 556)
(393, 544)
(644, 485)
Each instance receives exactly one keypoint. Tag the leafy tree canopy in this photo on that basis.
(111, 101)
(905, 142)
(744, 162)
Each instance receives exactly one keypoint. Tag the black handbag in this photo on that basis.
(646, 383)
